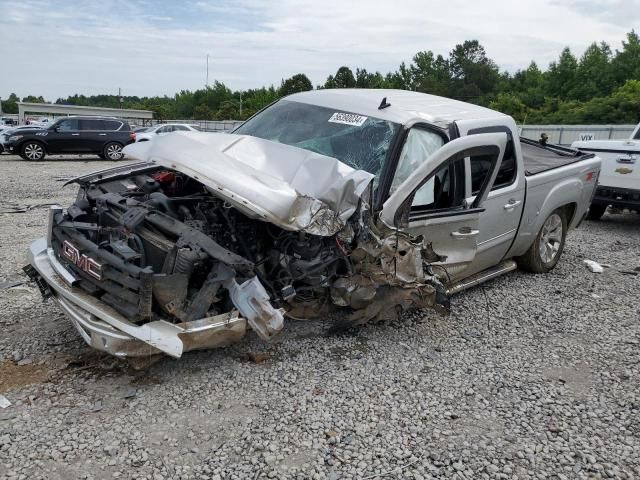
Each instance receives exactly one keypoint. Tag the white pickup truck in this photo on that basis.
(357, 203)
(619, 182)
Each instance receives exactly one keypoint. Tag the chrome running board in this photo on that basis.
(477, 278)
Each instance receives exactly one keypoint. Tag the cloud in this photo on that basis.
(149, 48)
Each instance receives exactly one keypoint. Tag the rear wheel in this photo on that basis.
(32, 151)
(596, 212)
(545, 252)
(113, 151)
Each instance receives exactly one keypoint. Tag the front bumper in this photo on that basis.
(103, 328)
(617, 197)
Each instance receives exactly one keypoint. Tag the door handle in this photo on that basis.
(465, 233)
(102, 134)
(75, 134)
(628, 160)
(512, 204)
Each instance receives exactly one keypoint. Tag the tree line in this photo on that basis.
(601, 86)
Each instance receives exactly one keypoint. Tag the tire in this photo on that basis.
(33, 151)
(544, 254)
(596, 212)
(113, 151)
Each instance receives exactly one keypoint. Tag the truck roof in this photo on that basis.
(406, 106)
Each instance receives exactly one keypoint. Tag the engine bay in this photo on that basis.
(157, 244)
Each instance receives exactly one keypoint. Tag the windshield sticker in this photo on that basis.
(348, 119)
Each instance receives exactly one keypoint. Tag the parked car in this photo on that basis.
(355, 204)
(103, 136)
(151, 132)
(5, 134)
(619, 182)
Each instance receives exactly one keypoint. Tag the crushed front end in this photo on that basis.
(150, 260)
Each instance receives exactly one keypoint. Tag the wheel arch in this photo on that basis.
(44, 144)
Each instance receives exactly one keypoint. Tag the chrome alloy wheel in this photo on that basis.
(34, 151)
(551, 238)
(114, 151)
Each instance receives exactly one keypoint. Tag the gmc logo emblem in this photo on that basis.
(84, 263)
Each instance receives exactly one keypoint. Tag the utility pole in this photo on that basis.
(120, 97)
(240, 103)
(0, 105)
(207, 83)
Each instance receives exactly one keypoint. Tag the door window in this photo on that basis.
(68, 125)
(178, 128)
(445, 189)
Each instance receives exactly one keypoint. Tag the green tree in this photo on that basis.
(33, 99)
(474, 76)
(594, 75)
(298, 83)
(511, 105)
(561, 78)
(343, 79)
(430, 74)
(626, 63)
(528, 85)
(10, 105)
(365, 79)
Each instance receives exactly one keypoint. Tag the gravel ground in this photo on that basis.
(530, 376)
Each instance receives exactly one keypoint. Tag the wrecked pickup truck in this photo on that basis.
(348, 204)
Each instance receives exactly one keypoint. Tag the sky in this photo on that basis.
(57, 48)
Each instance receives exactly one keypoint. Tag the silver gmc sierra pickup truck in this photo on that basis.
(349, 204)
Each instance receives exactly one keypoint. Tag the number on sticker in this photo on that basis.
(348, 119)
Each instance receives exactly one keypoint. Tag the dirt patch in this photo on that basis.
(15, 376)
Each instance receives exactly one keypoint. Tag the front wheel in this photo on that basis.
(113, 151)
(32, 151)
(544, 253)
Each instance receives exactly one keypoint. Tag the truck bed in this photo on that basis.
(538, 158)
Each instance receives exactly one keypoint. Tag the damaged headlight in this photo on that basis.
(15, 138)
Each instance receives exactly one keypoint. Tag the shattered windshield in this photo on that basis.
(359, 141)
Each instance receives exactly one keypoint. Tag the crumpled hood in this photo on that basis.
(290, 187)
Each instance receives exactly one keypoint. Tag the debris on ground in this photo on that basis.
(20, 208)
(595, 267)
(10, 284)
(4, 402)
(259, 357)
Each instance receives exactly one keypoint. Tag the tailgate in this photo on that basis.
(620, 169)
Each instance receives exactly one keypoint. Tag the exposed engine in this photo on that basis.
(157, 244)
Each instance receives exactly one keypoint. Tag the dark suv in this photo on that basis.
(103, 136)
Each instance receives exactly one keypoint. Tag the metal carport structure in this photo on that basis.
(53, 109)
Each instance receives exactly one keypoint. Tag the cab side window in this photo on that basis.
(481, 166)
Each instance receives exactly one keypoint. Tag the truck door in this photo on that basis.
(429, 194)
(504, 202)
